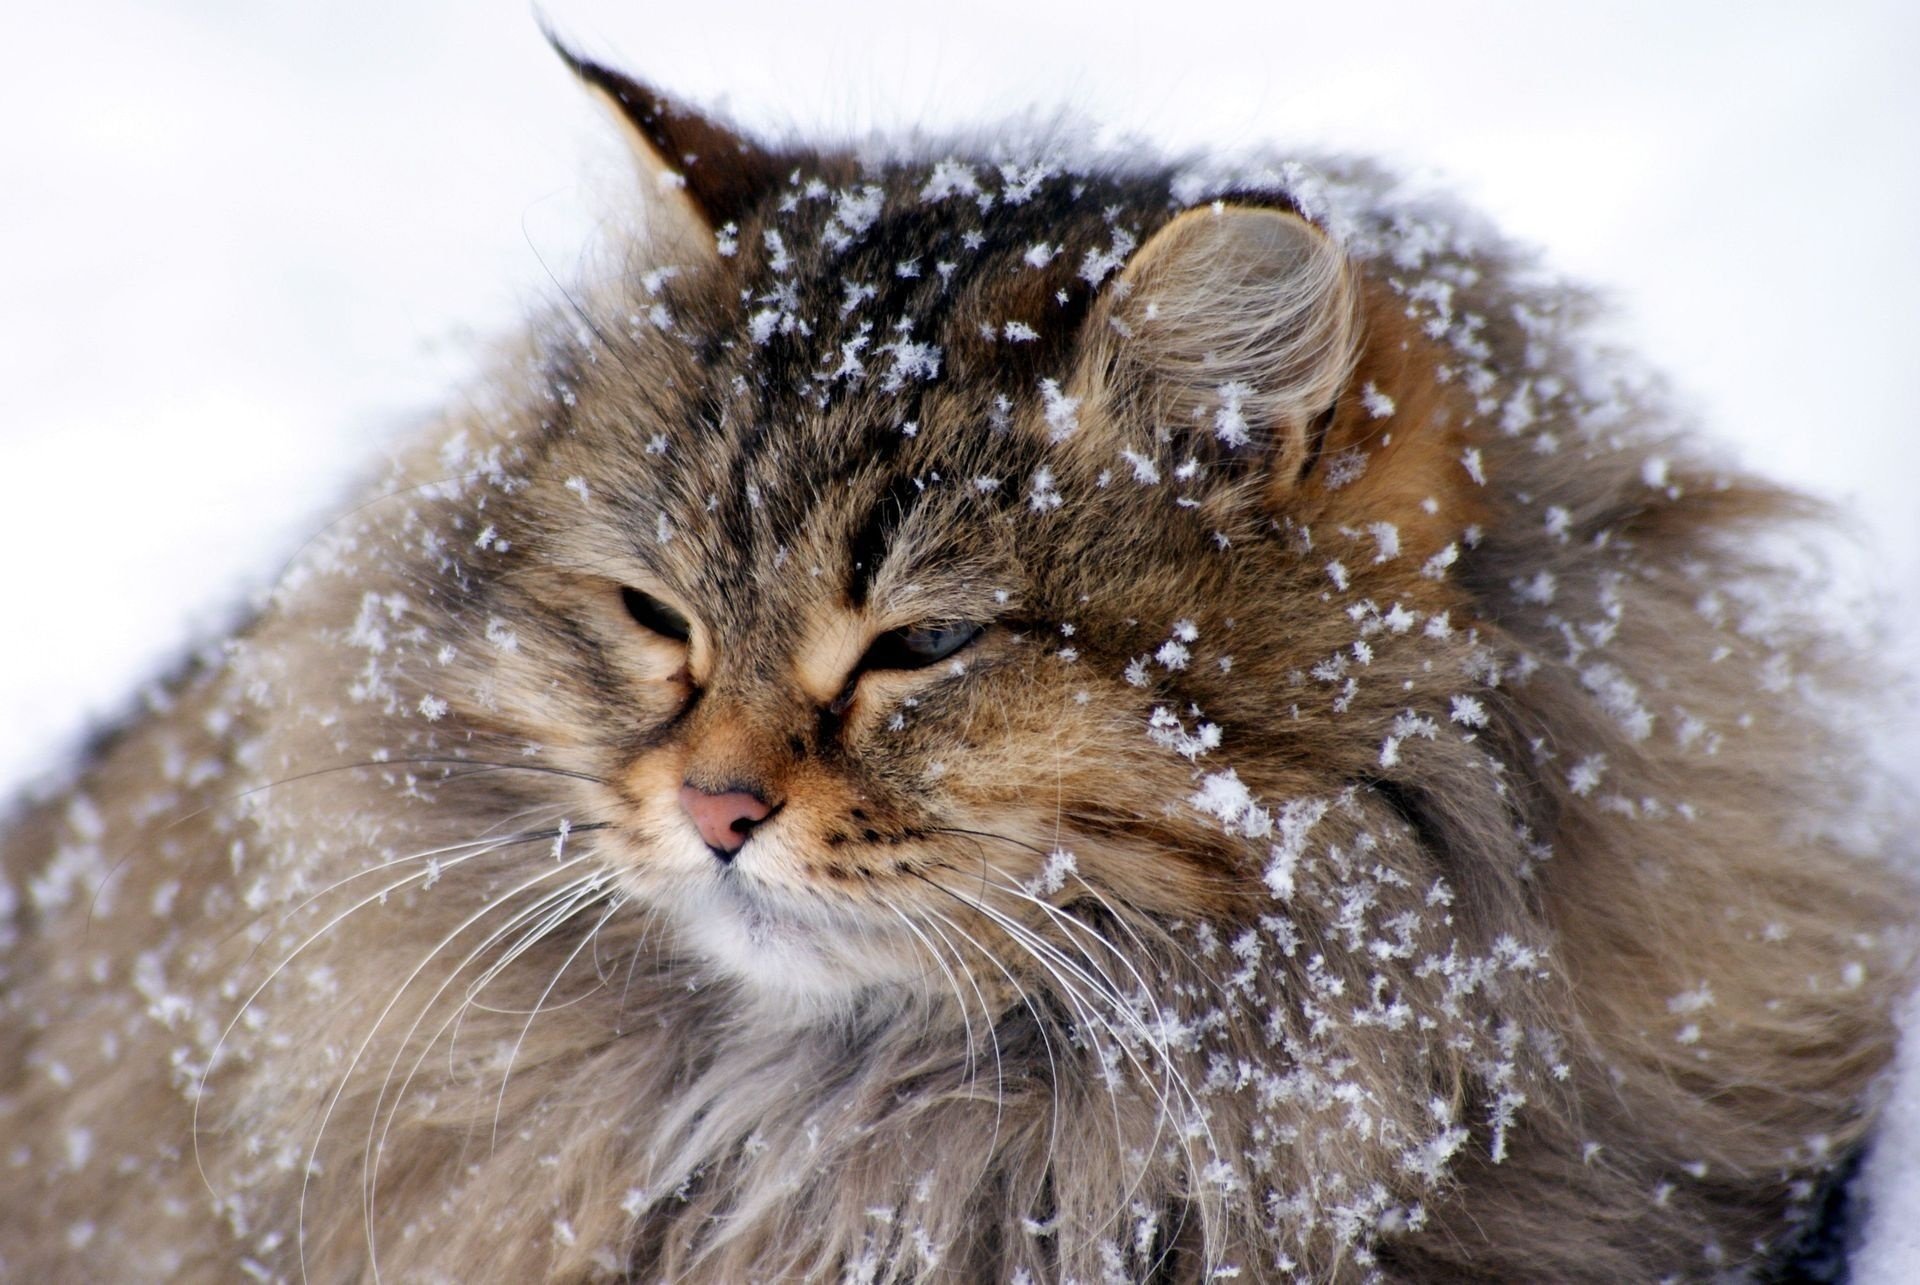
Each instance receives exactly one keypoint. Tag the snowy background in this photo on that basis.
(246, 245)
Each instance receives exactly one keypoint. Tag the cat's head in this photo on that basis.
(911, 551)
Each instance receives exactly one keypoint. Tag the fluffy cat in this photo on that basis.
(980, 717)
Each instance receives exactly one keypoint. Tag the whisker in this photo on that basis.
(649, 919)
(300, 1222)
(1039, 1022)
(1157, 1039)
(993, 1032)
(531, 911)
(486, 844)
(1113, 912)
(1169, 1079)
(481, 766)
(953, 984)
(227, 1031)
(586, 898)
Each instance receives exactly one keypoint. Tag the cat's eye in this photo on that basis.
(917, 646)
(651, 613)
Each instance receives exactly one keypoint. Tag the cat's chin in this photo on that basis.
(797, 959)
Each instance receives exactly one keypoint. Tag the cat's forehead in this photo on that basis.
(865, 305)
(831, 511)
(860, 359)
(890, 267)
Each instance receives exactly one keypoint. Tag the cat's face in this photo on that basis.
(845, 685)
(890, 559)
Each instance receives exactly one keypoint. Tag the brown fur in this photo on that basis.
(1501, 928)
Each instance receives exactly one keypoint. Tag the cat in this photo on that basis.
(979, 716)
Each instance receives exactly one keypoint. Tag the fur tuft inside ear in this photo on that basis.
(702, 176)
(1238, 326)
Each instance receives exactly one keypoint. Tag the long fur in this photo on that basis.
(1398, 823)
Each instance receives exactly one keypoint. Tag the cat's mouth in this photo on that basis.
(792, 949)
(766, 923)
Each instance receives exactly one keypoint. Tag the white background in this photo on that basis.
(242, 245)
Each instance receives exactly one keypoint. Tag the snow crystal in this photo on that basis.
(1295, 822)
(1344, 468)
(1043, 495)
(1097, 265)
(853, 294)
(1023, 181)
(1378, 404)
(853, 213)
(778, 259)
(1691, 1001)
(1060, 866)
(1223, 796)
(1164, 728)
(1435, 568)
(1230, 421)
(950, 178)
(1620, 697)
(851, 368)
(1586, 774)
(762, 325)
(1145, 471)
(1062, 411)
(1469, 710)
(911, 360)
(1538, 589)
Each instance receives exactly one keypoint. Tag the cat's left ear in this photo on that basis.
(702, 176)
(1234, 327)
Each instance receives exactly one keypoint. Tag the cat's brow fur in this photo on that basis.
(1455, 796)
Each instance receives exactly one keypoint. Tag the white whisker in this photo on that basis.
(227, 1031)
(514, 1054)
(300, 1221)
(375, 1150)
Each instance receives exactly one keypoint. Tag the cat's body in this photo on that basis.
(961, 719)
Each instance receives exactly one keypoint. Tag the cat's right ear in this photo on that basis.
(700, 175)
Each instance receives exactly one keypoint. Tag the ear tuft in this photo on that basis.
(1239, 324)
(703, 175)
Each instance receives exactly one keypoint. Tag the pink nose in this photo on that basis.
(724, 820)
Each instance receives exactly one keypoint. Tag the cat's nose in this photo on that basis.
(724, 819)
